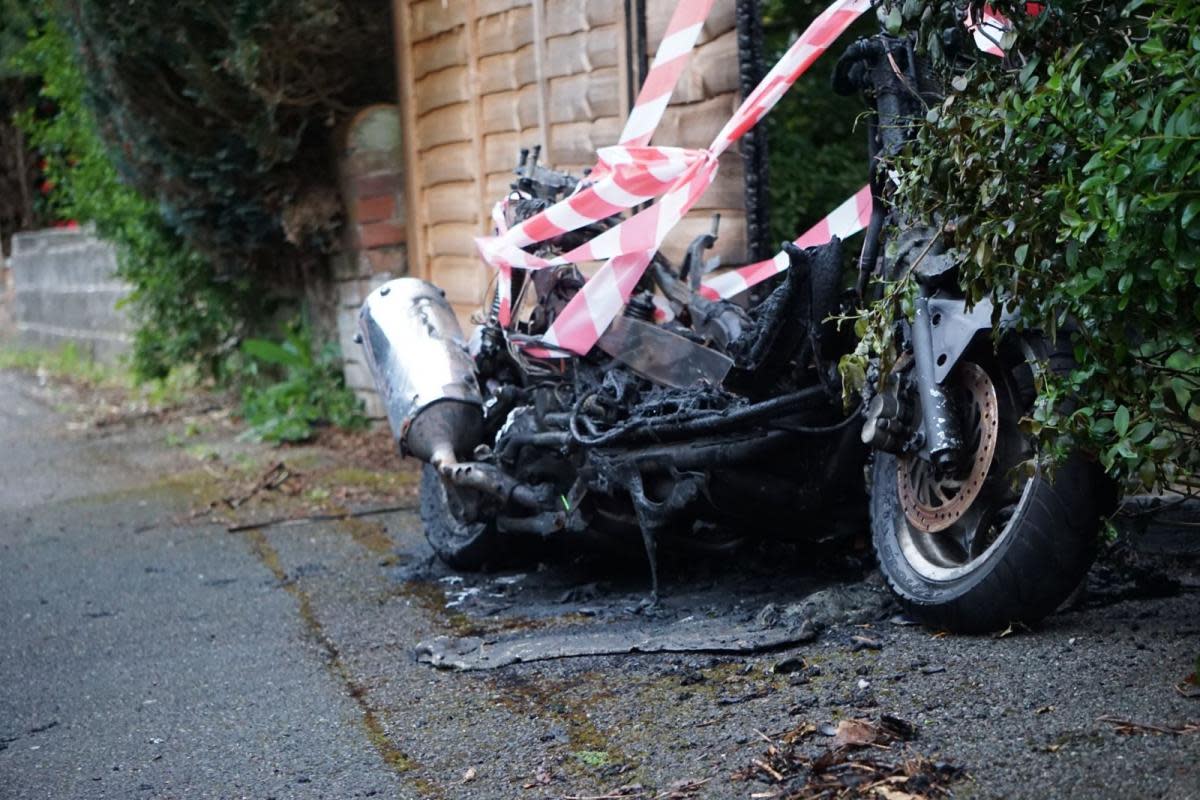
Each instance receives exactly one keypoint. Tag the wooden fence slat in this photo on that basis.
(658, 14)
(444, 125)
(432, 17)
(503, 33)
(582, 51)
(443, 88)
(585, 97)
(448, 50)
(446, 164)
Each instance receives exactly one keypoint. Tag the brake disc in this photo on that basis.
(933, 504)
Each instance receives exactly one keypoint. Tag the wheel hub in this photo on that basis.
(932, 503)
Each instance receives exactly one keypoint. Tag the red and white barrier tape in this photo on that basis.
(503, 271)
(846, 220)
(674, 52)
(669, 63)
(630, 245)
(632, 173)
(988, 29)
(992, 31)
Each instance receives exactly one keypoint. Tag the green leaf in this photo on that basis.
(1121, 421)
(271, 353)
(1141, 431)
(1170, 237)
(1160, 444)
(894, 21)
(1189, 213)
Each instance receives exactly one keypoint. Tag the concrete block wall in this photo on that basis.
(371, 172)
(65, 291)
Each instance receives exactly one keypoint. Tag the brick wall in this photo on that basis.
(64, 291)
(370, 167)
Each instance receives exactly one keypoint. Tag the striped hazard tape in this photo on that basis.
(669, 63)
(846, 220)
(674, 52)
(992, 31)
(633, 173)
(630, 246)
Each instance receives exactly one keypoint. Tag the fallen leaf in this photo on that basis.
(468, 776)
(855, 733)
(1013, 627)
(845, 771)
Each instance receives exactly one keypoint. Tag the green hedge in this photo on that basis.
(224, 112)
(184, 314)
(1070, 174)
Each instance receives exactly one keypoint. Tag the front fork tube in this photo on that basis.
(943, 439)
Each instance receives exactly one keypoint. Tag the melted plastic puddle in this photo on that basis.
(686, 636)
(690, 624)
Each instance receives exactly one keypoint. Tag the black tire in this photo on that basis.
(461, 527)
(1035, 550)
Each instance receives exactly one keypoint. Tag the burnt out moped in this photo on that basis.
(698, 419)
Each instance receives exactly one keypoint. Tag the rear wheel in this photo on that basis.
(460, 525)
(992, 547)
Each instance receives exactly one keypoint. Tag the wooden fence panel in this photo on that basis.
(482, 78)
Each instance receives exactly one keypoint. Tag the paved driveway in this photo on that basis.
(149, 653)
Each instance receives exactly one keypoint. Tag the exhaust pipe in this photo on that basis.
(418, 357)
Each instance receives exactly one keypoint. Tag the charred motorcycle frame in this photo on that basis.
(728, 419)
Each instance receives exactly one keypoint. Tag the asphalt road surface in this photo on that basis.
(147, 652)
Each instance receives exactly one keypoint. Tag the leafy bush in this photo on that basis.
(18, 209)
(1070, 174)
(184, 313)
(224, 112)
(292, 388)
(197, 138)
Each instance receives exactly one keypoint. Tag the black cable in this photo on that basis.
(708, 424)
(808, 430)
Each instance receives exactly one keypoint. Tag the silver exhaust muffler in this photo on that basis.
(417, 354)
